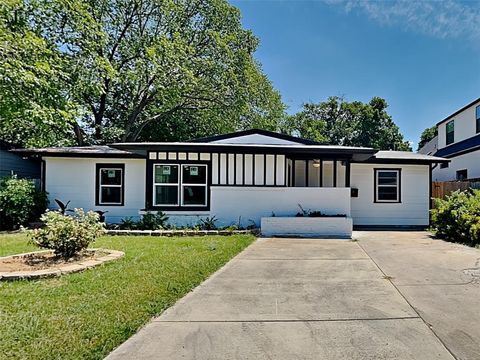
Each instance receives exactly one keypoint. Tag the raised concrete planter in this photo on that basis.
(60, 269)
(327, 227)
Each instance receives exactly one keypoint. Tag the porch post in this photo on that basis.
(321, 172)
(335, 173)
(347, 173)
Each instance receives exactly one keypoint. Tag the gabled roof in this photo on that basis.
(461, 147)
(458, 111)
(272, 134)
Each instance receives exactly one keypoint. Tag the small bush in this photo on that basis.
(20, 202)
(209, 223)
(68, 235)
(128, 223)
(151, 221)
(457, 218)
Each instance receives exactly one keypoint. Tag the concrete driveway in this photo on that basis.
(389, 295)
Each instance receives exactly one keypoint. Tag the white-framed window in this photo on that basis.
(194, 185)
(387, 185)
(177, 185)
(110, 184)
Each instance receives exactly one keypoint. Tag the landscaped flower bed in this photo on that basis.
(41, 264)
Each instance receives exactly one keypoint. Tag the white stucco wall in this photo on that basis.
(413, 208)
(470, 161)
(338, 227)
(252, 203)
(73, 179)
(465, 126)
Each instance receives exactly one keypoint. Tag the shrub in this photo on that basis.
(68, 235)
(457, 218)
(209, 223)
(128, 223)
(20, 202)
(151, 221)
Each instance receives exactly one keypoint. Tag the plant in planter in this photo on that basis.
(151, 221)
(128, 223)
(68, 235)
(208, 223)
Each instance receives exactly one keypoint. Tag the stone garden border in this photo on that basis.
(58, 270)
(170, 233)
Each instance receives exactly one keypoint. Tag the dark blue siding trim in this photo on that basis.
(460, 147)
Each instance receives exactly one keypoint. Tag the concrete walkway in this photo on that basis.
(387, 296)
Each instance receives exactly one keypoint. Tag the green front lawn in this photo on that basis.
(85, 315)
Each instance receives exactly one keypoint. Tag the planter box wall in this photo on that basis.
(332, 227)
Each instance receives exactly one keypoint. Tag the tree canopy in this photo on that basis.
(427, 135)
(126, 70)
(339, 122)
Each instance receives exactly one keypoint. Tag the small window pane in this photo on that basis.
(194, 174)
(462, 175)
(387, 193)
(387, 178)
(111, 195)
(194, 195)
(166, 195)
(111, 177)
(166, 174)
(477, 114)
(450, 128)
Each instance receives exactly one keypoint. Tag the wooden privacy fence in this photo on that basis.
(440, 189)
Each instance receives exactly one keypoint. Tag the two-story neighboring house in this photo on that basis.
(459, 141)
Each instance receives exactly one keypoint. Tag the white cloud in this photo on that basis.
(442, 19)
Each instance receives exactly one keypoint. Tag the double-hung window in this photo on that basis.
(450, 132)
(477, 116)
(387, 185)
(110, 184)
(180, 185)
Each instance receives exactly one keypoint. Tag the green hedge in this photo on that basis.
(457, 218)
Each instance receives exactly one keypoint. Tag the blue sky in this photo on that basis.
(422, 57)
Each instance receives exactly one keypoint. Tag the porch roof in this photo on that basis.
(314, 151)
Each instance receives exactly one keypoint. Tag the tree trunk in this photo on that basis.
(78, 134)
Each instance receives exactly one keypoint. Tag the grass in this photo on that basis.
(86, 315)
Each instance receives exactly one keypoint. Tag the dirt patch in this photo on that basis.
(46, 260)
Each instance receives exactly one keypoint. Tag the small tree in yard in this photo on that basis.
(68, 235)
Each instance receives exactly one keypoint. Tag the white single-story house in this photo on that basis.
(240, 178)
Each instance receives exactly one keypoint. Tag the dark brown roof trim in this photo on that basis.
(458, 111)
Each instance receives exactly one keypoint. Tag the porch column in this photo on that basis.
(335, 173)
(347, 173)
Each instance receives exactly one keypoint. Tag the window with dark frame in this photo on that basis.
(444, 165)
(462, 174)
(450, 132)
(387, 185)
(110, 184)
(180, 185)
(477, 116)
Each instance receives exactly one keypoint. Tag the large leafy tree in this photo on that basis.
(339, 122)
(427, 135)
(34, 108)
(156, 69)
